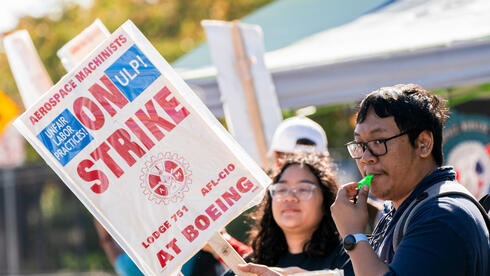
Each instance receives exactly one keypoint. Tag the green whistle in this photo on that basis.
(365, 180)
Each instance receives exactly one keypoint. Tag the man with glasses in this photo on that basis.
(398, 140)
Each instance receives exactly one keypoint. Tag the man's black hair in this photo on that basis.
(414, 110)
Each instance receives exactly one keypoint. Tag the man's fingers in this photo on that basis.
(350, 186)
(246, 267)
(260, 270)
(363, 195)
(348, 191)
(291, 270)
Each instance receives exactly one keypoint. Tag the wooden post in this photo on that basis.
(243, 69)
(227, 253)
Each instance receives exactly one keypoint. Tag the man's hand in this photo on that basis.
(350, 217)
(262, 270)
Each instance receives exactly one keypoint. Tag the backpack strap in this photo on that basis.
(485, 202)
(441, 189)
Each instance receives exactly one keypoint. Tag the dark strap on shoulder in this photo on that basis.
(441, 189)
(485, 202)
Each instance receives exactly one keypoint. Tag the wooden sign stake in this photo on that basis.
(227, 253)
(243, 69)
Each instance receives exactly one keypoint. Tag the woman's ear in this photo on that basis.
(425, 143)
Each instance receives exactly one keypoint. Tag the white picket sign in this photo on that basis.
(142, 152)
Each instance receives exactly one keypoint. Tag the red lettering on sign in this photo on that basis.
(244, 185)
(128, 147)
(78, 108)
(113, 94)
(173, 244)
(63, 93)
(134, 127)
(164, 257)
(170, 105)
(228, 196)
(93, 175)
(101, 152)
(221, 205)
(152, 121)
(190, 233)
(122, 39)
(121, 142)
(212, 212)
(33, 120)
(202, 222)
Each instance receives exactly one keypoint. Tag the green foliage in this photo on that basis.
(172, 26)
(50, 201)
(459, 95)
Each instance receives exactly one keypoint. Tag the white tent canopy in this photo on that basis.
(434, 43)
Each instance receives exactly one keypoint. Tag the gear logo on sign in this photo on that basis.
(165, 178)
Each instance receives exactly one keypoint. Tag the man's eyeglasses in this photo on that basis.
(302, 191)
(376, 147)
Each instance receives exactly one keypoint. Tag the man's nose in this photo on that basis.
(367, 156)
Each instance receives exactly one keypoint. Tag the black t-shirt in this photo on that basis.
(337, 259)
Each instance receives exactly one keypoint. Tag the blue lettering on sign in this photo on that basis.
(132, 73)
(65, 137)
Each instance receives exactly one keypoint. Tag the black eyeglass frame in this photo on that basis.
(365, 145)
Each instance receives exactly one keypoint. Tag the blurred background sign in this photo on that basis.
(30, 75)
(467, 148)
(249, 98)
(81, 45)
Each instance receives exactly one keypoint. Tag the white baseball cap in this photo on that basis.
(299, 129)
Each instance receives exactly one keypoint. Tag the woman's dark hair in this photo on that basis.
(268, 240)
(414, 110)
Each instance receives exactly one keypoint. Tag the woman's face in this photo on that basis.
(293, 214)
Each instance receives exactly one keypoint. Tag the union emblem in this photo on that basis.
(165, 178)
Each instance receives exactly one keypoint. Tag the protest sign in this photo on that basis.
(142, 152)
(237, 51)
(30, 75)
(81, 45)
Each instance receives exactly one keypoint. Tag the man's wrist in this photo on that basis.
(351, 240)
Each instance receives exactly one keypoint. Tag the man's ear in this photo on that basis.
(425, 143)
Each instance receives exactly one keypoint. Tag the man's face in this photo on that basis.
(393, 178)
